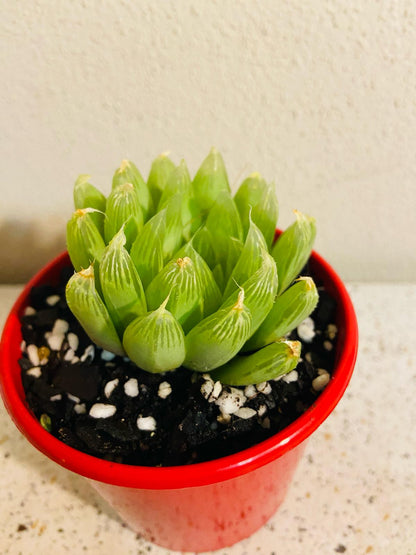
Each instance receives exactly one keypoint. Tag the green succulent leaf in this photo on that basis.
(89, 309)
(147, 250)
(88, 196)
(203, 243)
(209, 289)
(268, 363)
(250, 259)
(162, 168)
(179, 280)
(155, 342)
(84, 241)
(210, 180)
(260, 291)
(128, 173)
(219, 337)
(289, 310)
(123, 209)
(257, 199)
(120, 284)
(293, 248)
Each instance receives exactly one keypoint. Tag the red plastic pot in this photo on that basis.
(200, 507)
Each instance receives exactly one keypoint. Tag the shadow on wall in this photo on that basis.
(27, 246)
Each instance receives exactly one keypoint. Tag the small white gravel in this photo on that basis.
(36, 372)
(146, 423)
(264, 387)
(332, 331)
(250, 391)
(73, 398)
(101, 410)
(261, 411)
(60, 326)
(75, 360)
(57, 397)
(73, 340)
(230, 401)
(88, 353)
(110, 387)
(321, 381)
(245, 413)
(69, 355)
(107, 355)
(29, 311)
(131, 387)
(328, 345)
(33, 354)
(80, 409)
(216, 391)
(292, 376)
(165, 389)
(55, 340)
(306, 330)
(206, 388)
(52, 300)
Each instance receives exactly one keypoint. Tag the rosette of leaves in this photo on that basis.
(177, 271)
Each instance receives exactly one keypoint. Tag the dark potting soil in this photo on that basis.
(106, 406)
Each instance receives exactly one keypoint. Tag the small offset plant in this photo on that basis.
(178, 272)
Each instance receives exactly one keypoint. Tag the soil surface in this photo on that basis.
(106, 406)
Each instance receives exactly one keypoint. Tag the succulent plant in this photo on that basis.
(178, 272)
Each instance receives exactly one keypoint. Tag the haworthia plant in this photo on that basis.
(179, 272)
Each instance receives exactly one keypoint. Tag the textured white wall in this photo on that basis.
(319, 96)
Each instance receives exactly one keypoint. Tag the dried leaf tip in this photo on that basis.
(295, 347)
(87, 273)
(239, 305)
(309, 283)
(123, 166)
(183, 262)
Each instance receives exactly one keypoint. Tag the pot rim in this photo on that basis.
(198, 474)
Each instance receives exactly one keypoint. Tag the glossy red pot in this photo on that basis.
(198, 507)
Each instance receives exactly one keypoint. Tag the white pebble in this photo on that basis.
(29, 311)
(33, 354)
(216, 391)
(250, 391)
(60, 326)
(165, 389)
(23, 345)
(131, 387)
(321, 381)
(264, 387)
(110, 387)
(73, 341)
(230, 401)
(88, 353)
(292, 376)
(332, 331)
(207, 388)
(146, 423)
(107, 355)
(36, 372)
(245, 413)
(55, 340)
(100, 410)
(69, 355)
(73, 398)
(328, 345)
(56, 397)
(53, 299)
(75, 360)
(306, 330)
(262, 410)
(80, 409)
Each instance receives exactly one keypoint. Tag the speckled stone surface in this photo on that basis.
(354, 491)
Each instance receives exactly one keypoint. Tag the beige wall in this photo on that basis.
(320, 96)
